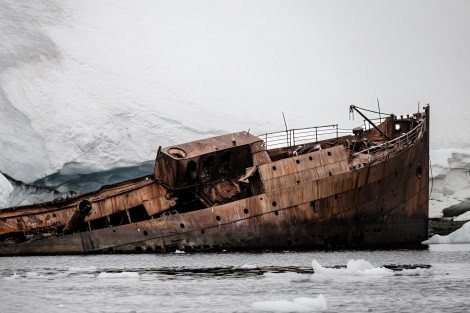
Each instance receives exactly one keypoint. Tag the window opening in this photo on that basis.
(207, 167)
(225, 163)
(99, 223)
(118, 218)
(138, 214)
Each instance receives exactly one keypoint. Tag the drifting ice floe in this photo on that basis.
(353, 268)
(119, 275)
(362, 268)
(301, 304)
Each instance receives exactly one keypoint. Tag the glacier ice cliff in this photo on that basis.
(89, 90)
(5, 190)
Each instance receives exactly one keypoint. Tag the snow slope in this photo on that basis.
(91, 86)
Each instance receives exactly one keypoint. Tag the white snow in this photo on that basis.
(301, 304)
(461, 235)
(450, 184)
(94, 85)
(463, 217)
(5, 189)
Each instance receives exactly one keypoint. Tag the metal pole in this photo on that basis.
(370, 122)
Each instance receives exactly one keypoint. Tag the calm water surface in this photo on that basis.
(433, 280)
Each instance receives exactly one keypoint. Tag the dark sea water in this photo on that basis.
(432, 280)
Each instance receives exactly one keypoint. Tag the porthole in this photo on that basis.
(207, 167)
(312, 204)
(329, 153)
(225, 163)
(191, 171)
(217, 218)
(145, 233)
(182, 225)
(330, 173)
(276, 213)
(177, 153)
(397, 127)
(274, 203)
(274, 167)
(419, 171)
(310, 158)
(245, 211)
(297, 161)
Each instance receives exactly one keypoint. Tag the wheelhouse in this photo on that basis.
(206, 160)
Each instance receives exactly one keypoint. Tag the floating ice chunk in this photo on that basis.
(119, 275)
(416, 272)
(13, 277)
(179, 252)
(301, 304)
(436, 239)
(318, 303)
(353, 268)
(32, 275)
(461, 235)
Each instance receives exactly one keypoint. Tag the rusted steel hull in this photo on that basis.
(323, 199)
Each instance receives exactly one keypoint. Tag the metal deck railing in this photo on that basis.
(398, 143)
(298, 136)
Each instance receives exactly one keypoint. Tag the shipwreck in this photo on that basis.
(310, 188)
